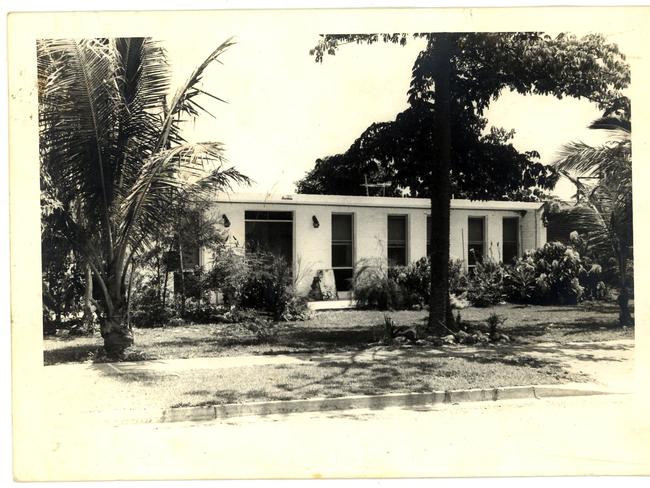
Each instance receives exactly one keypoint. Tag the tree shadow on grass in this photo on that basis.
(69, 354)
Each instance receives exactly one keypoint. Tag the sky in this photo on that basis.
(284, 110)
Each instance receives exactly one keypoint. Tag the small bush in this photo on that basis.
(458, 280)
(375, 287)
(147, 309)
(520, 281)
(485, 284)
(227, 274)
(264, 330)
(269, 287)
(493, 322)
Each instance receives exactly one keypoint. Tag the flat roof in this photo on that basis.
(362, 201)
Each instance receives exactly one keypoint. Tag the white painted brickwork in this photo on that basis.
(312, 246)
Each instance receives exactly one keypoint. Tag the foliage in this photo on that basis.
(555, 270)
(404, 287)
(493, 321)
(520, 281)
(485, 283)
(228, 274)
(484, 163)
(399, 152)
(269, 286)
(111, 142)
(458, 279)
(148, 310)
(374, 287)
(604, 214)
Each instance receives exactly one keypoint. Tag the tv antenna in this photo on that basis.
(383, 186)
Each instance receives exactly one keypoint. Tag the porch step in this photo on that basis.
(331, 305)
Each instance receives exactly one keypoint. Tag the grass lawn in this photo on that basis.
(415, 370)
(348, 330)
(336, 358)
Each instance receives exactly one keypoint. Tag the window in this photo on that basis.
(342, 251)
(270, 232)
(397, 240)
(475, 240)
(510, 239)
(428, 235)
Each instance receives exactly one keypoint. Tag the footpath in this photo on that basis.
(78, 390)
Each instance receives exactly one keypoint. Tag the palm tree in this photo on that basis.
(111, 142)
(604, 215)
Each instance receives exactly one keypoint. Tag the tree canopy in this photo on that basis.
(484, 163)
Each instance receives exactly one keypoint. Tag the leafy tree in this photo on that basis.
(110, 138)
(483, 166)
(604, 213)
(462, 73)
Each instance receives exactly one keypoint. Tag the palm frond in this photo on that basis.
(168, 177)
(618, 126)
(183, 101)
(79, 105)
(144, 80)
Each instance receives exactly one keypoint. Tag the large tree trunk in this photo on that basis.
(440, 188)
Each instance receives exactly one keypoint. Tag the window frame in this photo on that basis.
(351, 242)
(517, 237)
(483, 218)
(405, 218)
(292, 221)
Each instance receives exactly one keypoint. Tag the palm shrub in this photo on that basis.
(604, 214)
(111, 142)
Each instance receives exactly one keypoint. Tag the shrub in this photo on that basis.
(485, 284)
(520, 281)
(401, 287)
(458, 280)
(263, 329)
(375, 287)
(415, 281)
(228, 274)
(147, 310)
(493, 322)
(269, 286)
(555, 269)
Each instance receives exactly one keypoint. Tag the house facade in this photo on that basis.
(323, 232)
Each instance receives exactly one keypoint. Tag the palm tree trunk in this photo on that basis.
(440, 188)
(87, 320)
(115, 327)
(624, 315)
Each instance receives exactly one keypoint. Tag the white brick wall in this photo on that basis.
(312, 246)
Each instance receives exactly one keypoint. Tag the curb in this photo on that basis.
(372, 402)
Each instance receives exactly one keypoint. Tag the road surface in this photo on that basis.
(606, 434)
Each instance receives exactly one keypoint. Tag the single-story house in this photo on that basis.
(323, 232)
